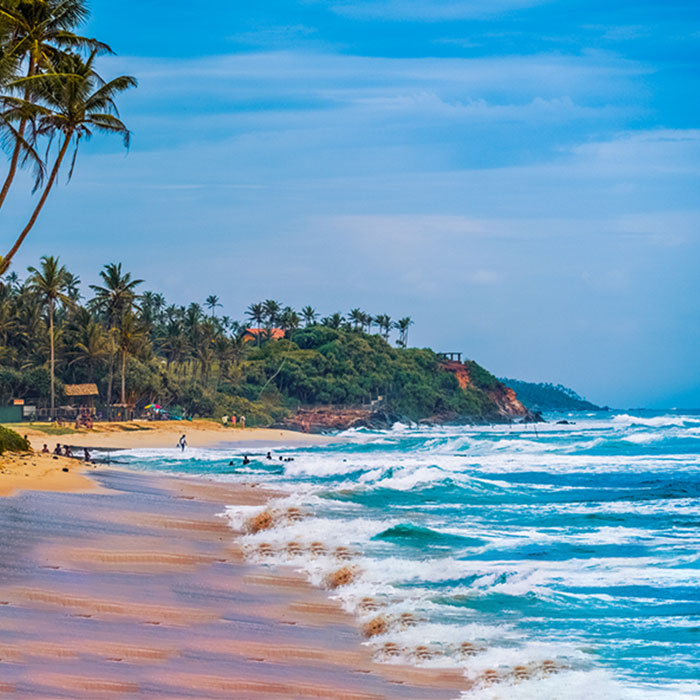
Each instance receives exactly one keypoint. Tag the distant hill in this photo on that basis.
(549, 397)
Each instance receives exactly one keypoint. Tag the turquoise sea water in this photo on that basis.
(498, 548)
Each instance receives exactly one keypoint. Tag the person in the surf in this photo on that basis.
(182, 443)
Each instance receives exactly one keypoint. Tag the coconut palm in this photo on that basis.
(36, 33)
(310, 315)
(289, 320)
(357, 318)
(130, 339)
(334, 321)
(384, 323)
(90, 342)
(50, 284)
(256, 315)
(273, 309)
(78, 103)
(402, 326)
(212, 303)
(114, 300)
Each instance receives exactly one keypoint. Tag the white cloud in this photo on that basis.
(428, 10)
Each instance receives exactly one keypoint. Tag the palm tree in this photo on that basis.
(289, 320)
(115, 299)
(310, 315)
(130, 337)
(334, 321)
(402, 325)
(272, 311)
(50, 284)
(212, 302)
(90, 342)
(77, 102)
(367, 322)
(384, 323)
(357, 318)
(256, 315)
(38, 32)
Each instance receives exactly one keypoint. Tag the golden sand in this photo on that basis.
(162, 434)
(37, 472)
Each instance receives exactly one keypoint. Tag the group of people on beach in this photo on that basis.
(65, 451)
(233, 421)
(83, 419)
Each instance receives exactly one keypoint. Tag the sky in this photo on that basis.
(518, 176)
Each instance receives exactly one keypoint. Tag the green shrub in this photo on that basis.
(10, 441)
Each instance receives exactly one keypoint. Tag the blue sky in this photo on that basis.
(519, 176)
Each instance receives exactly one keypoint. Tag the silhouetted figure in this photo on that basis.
(269, 455)
(182, 443)
(245, 459)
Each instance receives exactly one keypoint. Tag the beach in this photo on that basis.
(141, 434)
(115, 583)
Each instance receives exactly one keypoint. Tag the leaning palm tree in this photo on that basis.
(402, 326)
(36, 33)
(50, 284)
(77, 103)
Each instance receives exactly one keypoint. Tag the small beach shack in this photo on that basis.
(86, 392)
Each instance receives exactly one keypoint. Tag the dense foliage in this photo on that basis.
(10, 441)
(549, 397)
(140, 350)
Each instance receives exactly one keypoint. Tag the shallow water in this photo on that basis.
(501, 548)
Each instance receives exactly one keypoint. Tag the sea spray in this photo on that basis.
(562, 564)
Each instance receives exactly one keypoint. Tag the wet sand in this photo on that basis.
(138, 590)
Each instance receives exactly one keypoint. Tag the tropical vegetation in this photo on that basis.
(139, 349)
(542, 396)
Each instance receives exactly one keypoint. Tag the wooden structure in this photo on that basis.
(450, 356)
(81, 390)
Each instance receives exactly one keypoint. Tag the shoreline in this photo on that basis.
(139, 587)
(159, 434)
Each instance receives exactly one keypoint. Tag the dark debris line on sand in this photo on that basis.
(140, 592)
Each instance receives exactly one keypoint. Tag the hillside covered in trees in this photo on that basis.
(549, 397)
(139, 350)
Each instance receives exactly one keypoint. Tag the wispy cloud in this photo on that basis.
(428, 10)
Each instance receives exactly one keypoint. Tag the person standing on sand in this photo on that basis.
(182, 443)
(242, 419)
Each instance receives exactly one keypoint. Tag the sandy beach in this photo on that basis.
(136, 589)
(160, 434)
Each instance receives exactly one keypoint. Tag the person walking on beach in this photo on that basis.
(182, 443)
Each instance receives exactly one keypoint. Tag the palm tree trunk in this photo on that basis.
(123, 399)
(52, 362)
(5, 264)
(110, 375)
(17, 150)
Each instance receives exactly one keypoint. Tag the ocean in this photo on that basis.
(548, 561)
